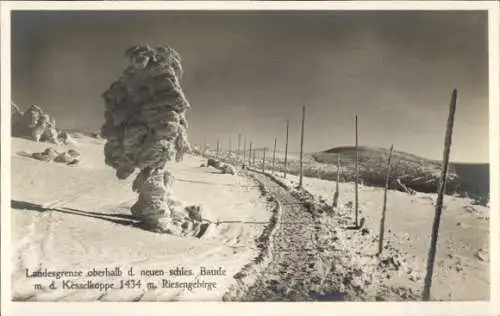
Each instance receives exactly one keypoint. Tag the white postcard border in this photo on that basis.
(226, 308)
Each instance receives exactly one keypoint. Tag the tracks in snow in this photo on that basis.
(35, 246)
(301, 256)
(295, 263)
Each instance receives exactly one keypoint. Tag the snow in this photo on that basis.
(77, 218)
(464, 232)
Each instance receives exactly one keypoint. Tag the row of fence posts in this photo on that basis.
(252, 151)
(440, 193)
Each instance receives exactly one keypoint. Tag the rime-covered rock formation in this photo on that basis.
(71, 157)
(65, 138)
(221, 166)
(145, 127)
(34, 123)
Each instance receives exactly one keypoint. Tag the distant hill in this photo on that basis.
(379, 154)
(416, 172)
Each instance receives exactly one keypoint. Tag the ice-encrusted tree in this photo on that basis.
(146, 127)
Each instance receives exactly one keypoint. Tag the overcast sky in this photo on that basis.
(249, 72)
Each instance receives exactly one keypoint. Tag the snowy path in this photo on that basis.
(462, 263)
(302, 255)
(77, 219)
(341, 263)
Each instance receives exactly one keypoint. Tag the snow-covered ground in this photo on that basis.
(76, 218)
(462, 264)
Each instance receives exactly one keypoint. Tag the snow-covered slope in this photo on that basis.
(77, 218)
(462, 264)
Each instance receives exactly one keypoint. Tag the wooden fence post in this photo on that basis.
(336, 195)
(357, 176)
(239, 146)
(250, 155)
(384, 205)
(245, 150)
(217, 153)
(264, 160)
(286, 148)
(302, 147)
(274, 155)
(439, 201)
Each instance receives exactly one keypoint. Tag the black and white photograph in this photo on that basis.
(248, 155)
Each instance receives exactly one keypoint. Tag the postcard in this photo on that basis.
(185, 157)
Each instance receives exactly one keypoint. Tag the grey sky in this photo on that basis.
(248, 72)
